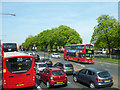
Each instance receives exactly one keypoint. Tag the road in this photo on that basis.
(112, 68)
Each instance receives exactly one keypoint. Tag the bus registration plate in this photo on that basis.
(21, 84)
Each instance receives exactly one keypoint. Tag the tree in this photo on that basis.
(55, 37)
(104, 35)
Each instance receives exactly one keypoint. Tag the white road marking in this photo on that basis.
(38, 87)
(68, 82)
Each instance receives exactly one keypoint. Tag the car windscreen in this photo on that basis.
(19, 65)
(42, 65)
(68, 65)
(56, 73)
(104, 74)
(9, 47)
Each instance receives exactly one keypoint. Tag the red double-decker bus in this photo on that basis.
(8, 47)
(79, 52)
(18, 70)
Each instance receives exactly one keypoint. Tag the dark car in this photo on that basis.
(67, 67)
(53, 77)
(93, 77)
(47, 61)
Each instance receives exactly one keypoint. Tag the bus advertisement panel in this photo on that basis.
(18, 70)
(79, 52)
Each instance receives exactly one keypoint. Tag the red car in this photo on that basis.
(53, 76)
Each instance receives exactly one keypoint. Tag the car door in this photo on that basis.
(89, 76)
(46, 75)
(82, 75)
(42, 73)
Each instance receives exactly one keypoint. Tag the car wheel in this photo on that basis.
(75, 79)
(67, 59)
(39, 77)
(65, 84)
(48, 84)
(78, 61)
(92, 85)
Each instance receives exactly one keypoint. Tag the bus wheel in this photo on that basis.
(78, 61)
(67, 59)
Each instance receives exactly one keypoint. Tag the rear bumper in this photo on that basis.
(69, 72)
(13, 86)
(104, 85)
(54, 83)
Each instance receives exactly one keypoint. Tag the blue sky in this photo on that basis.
(34, 17)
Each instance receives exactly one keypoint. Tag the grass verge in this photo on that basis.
(108, 60)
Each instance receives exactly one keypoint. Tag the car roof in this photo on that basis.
(95, 70)
(54, 68)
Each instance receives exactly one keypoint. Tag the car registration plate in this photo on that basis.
(21, 84)
(48, 62)
(59, 82)
(107, 81)
(69, 69)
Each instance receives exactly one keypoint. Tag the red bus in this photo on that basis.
(79, 52)
(18, 70)
(8, 47)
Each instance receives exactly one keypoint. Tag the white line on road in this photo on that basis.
(68, 82)
(38, 87)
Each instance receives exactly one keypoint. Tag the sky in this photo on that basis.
(34, 17)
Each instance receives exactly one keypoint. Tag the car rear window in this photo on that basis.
(103, 74)
(42, 65)
(68, 65)
(56, 73)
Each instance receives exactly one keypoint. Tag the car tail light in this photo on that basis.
(37, 69)
(63, 68)
(50, 77)
(99, 80)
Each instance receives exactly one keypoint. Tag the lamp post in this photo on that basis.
(8, 14)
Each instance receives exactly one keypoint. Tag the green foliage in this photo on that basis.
(50, 39)
(106, 33)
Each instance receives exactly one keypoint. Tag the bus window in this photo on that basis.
(82, 55)
(82, 47)
(19, 65)
(9, 47)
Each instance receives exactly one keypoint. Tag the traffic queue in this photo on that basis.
(21, 68)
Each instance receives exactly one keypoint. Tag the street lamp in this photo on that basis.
(8, 14)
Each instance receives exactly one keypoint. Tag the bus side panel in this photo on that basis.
(4, 74)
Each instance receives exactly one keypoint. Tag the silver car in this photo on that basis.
(39, 66)
(67, 67)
